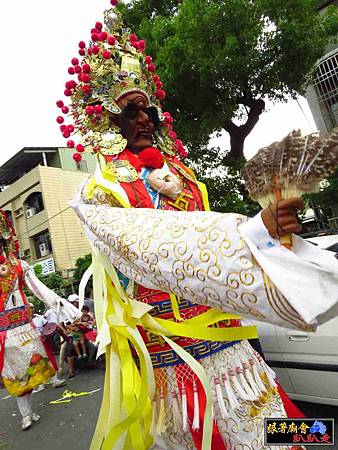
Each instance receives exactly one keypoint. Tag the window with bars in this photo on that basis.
(326, 86)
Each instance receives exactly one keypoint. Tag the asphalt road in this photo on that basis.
(70, 426)
(67, 426)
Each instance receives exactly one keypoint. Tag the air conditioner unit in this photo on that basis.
(44, 250)
(30, 212)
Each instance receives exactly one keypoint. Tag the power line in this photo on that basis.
(39, 225)
(306, 118)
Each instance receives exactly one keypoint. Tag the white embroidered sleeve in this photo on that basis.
(207, 258)
(65, 310)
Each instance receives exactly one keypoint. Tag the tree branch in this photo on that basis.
(239, 133)
(256, 109)
(230, 127)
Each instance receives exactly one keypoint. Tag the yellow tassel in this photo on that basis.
(153, 421)
(160, 427)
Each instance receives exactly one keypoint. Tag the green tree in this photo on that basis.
(39, 306)
(224, 183)
(38, 271)
(220, 60)
(53, 281)
(326, 200)
(81, 265)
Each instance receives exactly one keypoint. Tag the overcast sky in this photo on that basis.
(39, 38)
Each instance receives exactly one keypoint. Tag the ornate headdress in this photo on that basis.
(113, 64)
(7, 234)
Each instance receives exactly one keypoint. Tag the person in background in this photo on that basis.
(89, 323)
(65, 332)
(74, 300)
(67, 351)
(78, 338)
(51, 316)
(25, 361)
(40, 322)
(87, 319)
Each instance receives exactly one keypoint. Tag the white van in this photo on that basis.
(306, 364)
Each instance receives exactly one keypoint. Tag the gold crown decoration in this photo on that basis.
(113, 65)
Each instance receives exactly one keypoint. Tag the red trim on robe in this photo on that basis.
(291, 409)
(136, 191)
(137, 194)
(49, 352)
(192, 186)
(2, 349)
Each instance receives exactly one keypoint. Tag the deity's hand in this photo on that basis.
(281, 218)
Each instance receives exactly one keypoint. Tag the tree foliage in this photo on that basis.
(81, 265)
(326, 200)
(221, 59)
(53, 281)
(224, 183)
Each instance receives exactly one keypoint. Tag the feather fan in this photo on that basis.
(291, 167)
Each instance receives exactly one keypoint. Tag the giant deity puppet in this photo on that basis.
(172, 279)
(26, 361)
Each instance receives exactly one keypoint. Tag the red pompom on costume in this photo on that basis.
(151, 157)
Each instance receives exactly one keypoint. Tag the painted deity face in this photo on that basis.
(137, 121)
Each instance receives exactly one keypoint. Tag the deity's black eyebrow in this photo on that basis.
(130, 110)
(153, 116)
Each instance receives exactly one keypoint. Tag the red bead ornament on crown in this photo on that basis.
(111, 65)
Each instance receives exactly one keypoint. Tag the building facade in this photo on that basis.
(322, 94)
(37, 184)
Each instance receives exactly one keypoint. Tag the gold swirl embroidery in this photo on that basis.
(176, 230)
(247, 278)
(164, 250)
(181, 250)
(189, 268)
(134, 242)
(214, 271)
(201, 274)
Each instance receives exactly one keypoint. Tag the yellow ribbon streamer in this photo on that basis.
(205, 196)
(126, 411)
(131, 427)
(93, 183)
(67, 396)
(175, 307)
